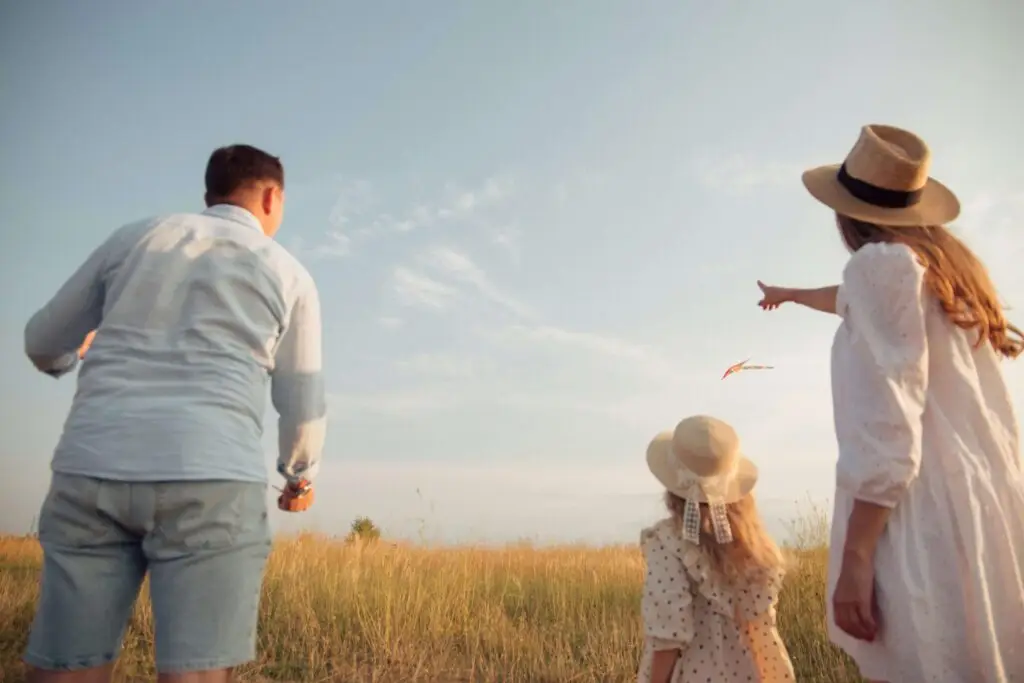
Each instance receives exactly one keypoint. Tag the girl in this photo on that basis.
(925, 565)
(713, 573)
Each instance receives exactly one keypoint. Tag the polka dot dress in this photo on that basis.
(725, 632)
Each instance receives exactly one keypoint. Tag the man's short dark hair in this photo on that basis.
(235, 165)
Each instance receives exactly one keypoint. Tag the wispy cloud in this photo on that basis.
(990, 223)
(390, 322)
(354, 198)
(740, 173)
(458, 266)
(359, 213)
(507, 238)
(416, 289)
(638, 356)
(408, 402)
(337, 245)
(579, 184)
(461, 278)
(992, 212)
(439, 365)
(580, 340)
(461, 203)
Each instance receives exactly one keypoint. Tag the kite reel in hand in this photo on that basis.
(296, 496)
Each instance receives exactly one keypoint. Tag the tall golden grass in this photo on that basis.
(336, 611)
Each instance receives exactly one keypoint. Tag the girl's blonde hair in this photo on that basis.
(752, 551)
(956, 277)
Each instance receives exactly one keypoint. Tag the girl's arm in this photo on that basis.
(662, 664)
(667, 604)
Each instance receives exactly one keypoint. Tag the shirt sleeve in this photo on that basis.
(55, 332)
(297, 389)
(878, 418)
(666, 605)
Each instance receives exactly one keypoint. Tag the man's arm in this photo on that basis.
(297, 389)
(54, 335)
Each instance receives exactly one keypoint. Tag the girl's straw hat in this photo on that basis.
(701, 462)
(885, 180)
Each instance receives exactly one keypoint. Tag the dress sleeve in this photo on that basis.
(767, 649)
(879, 407)
(756, 599)
(667, 605)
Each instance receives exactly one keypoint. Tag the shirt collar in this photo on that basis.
(234, 213)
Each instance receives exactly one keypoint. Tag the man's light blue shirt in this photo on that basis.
(195, 314)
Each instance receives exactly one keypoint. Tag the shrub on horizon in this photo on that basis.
(363, 530)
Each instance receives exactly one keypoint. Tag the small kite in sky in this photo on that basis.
(743, 366)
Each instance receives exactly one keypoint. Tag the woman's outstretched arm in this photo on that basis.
(821, 299)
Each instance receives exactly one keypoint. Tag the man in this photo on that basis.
(160, 466)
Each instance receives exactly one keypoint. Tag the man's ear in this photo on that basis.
(267, 199)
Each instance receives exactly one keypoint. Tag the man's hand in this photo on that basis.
(773, 296)
(86, 344)
(296, 497)
(853, 602)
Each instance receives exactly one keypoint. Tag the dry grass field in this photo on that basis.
(344, 612)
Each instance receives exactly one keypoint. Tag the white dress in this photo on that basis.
(925, 425)
(725, 631)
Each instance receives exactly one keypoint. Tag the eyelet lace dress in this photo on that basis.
(725, 632)
(925, 425)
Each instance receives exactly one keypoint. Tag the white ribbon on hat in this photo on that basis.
(694, 486)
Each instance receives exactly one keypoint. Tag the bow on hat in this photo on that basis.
(695, 491)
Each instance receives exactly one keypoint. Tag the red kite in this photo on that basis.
(743, 366)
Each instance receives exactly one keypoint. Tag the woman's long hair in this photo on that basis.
(956, 277)
(752, 551)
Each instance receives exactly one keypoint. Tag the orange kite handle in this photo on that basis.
(296, 497)
(86, 344)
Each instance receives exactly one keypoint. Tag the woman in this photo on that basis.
(926, 566)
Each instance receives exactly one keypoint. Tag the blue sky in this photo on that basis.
(536, 227)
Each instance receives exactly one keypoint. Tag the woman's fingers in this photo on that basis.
(846, 619)
(867, 620)
(856, 620)
(863, 621)
(770, 301)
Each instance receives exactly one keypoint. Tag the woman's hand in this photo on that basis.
(853, 601)
(773, 296)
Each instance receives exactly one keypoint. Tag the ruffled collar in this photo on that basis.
(727, 598)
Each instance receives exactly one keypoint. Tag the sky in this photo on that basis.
(536, 227)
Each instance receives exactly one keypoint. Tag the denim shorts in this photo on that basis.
(204, 544)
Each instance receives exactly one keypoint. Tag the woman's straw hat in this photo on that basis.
(701, 461)
(884, 180)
